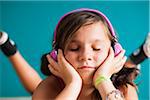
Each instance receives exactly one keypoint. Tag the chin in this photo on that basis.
(87, 81)
(87, 78)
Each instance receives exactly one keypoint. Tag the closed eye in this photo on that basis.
(96, 49)
(74, 49)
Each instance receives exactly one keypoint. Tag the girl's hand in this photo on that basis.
(63, 69)
(111, 64)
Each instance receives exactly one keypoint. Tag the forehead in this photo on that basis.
(92, 32)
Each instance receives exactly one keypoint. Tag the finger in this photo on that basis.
(119, 56)
(61, 59)
(109, 58)
(124, 60)
(54, 67)
(60, 56)
(52, 62)
(53, 70)
(111, 54)
(120, 64)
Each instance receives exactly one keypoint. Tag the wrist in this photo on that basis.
(100, 79)
(107, 90)
(70, 92)
(74, 82)
(7, 46)
(102, 73)
(75, 88)
(75, 79)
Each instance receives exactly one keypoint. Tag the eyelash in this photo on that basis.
(96, 49)
(78, 49)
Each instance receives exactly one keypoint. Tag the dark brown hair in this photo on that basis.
(65, 31)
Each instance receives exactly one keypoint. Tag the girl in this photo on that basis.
(88, 61)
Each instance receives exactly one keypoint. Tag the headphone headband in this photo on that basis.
(88, 10)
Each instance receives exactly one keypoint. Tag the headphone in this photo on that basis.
(116, 46)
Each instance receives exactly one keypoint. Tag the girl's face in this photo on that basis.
(88, 49)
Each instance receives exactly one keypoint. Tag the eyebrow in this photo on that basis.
(76, 41)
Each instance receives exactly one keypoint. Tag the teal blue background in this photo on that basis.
(31, 25)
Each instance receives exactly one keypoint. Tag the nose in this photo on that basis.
(85, 55)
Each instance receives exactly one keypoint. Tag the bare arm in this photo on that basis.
(105, 88)
(102, 76)
(129, 64)
(52, 89)
(68, 74)
(140, 54)
(70, 92)
(28, 76)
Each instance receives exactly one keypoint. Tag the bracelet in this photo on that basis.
(99, 80)
(115, 95)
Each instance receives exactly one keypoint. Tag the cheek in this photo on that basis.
(97, 57)
(70, 59)
(100, 57)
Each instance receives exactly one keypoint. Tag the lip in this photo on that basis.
(86, 67)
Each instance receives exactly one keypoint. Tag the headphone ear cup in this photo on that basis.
(117, 48)
(53, 54)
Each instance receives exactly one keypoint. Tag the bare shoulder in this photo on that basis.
(131, 93)
(48, 89)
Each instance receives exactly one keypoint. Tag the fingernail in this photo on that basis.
(47, 56)
(124, 50)
(49, 66)
(59, 50)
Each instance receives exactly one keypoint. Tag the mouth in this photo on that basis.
(86, 67)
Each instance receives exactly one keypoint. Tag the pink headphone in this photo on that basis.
(116, 46)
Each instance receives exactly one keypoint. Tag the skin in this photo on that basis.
(31, 79)
(28, 76)
(89, 47)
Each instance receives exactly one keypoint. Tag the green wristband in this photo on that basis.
(99, 80)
